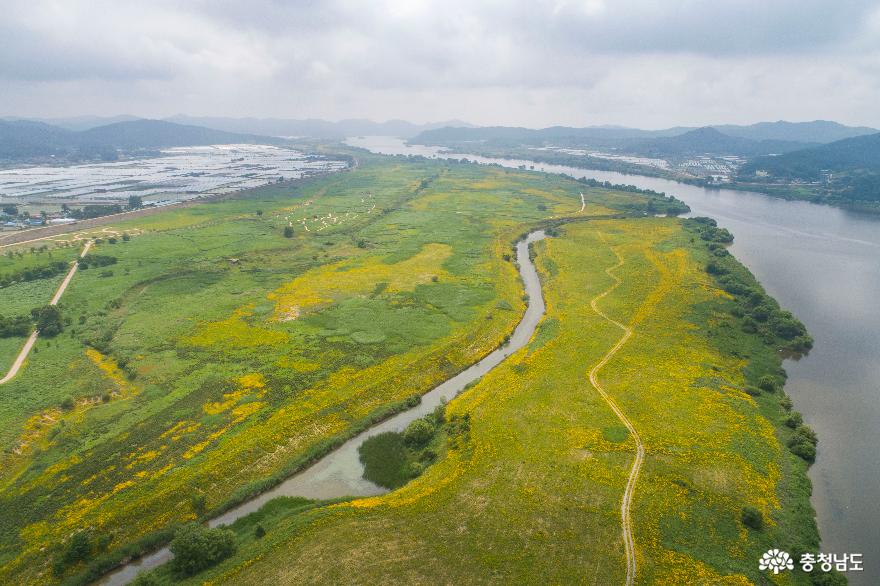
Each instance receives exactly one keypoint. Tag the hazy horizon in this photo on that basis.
(517, 64)
(109, 118)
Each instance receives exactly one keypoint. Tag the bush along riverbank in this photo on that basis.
(760, 319)
(391, 459)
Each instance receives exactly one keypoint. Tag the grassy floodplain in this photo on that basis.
(530, 491)
(216, 356)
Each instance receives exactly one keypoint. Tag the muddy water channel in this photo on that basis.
(340, 473)
(823, 264)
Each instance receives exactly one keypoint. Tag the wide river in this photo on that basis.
(823, 264)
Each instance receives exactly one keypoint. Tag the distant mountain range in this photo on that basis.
(25, 139)
(711, 141)
(316, 128)
(747, 141)
(817, 131)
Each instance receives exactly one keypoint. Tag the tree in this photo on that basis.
(79, 548)
(10, 210)
(288, 231)
(752, 517)
(803, 443)
(418, 433)
(196, 547)
(48, 319)
(135, 202)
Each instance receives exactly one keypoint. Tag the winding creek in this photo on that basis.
(340, 473)
(823, 264)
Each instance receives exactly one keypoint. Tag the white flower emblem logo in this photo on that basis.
(776, 560)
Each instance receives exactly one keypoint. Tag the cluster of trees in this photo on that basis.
(760, 313)
(33, 273)
(48, 320)
(96, 260)
(95, 211)
(658, 202)
(16, 326)
(391, 459)
(709, 231)
(196, 548)
(79, 548)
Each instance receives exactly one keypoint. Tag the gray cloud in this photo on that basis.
(633, 62)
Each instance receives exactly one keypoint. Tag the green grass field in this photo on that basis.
(532, 494)
(216, 357)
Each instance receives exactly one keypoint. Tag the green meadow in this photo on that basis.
(229, 344)
(215, 356)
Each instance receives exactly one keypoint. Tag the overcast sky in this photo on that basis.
(646, 63)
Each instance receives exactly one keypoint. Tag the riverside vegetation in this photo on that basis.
(210, 351)
(232, 343)
(529, 490)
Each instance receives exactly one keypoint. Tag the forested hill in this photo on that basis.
(23, 139)
(846, 172)
(710, 141)
(861, 153)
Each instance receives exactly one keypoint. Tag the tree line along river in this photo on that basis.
(823, 264)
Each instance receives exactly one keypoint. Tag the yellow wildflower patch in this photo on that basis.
(235, 332)
(333, 282)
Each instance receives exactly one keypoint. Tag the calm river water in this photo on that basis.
(823, 264)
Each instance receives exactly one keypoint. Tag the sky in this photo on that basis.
(641, 63)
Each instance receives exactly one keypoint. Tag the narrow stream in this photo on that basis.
(340, 473)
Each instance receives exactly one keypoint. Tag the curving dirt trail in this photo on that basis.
(626, 503)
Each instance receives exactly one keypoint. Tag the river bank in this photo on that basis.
(821, 263)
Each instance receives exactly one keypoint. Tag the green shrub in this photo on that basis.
(794, 419)
(145, 579)
(752, 518)
(418, 433)
(79, 548)
(196, 547)
(385, 459)
(767, 383)
(803, 443)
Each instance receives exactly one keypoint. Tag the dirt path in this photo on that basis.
(626, 503)
(32, 339)
(583, 203)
